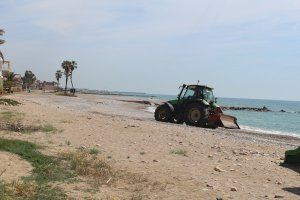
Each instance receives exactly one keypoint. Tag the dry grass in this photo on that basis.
(136, 197)
(37, 186)
(181, 152)
(20, 189)
(66, 121)
(18, 126)
(9, 116)
(48, 128)
(94, 151)
(29, 190)
(13, 121)
(9, 102)
(90, 167)
(84, 163)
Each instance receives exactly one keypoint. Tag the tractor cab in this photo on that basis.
(193, 92)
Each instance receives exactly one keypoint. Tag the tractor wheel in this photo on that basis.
(196, 115)
(163, 114)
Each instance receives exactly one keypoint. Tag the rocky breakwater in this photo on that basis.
(263, 109)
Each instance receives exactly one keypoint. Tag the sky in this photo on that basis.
(243, 48)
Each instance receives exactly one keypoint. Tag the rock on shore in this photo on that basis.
(263, 109)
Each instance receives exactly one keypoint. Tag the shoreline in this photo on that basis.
(153, 101)
(253, 130)
(141, 105)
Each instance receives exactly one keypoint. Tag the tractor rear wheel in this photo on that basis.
(163, 114)
(196, 115)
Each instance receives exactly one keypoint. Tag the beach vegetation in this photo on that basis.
(9, 81)
(58, 76)
(181, 152)
(9, 102)
(7, 116)
(100, 172)
(85, 164)
(136, 197)
(12, 121)
(94, 151)
(68, 67)
(66, 121)
(48, 128)
(28, 79)
(17, 126)
(73, 67)
(46, 171)
(66, 168)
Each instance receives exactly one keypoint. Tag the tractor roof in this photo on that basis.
(203, 86)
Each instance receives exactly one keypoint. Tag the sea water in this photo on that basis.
(274, 122)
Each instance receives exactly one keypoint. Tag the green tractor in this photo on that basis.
(195, 106)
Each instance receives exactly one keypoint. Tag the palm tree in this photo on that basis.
(1, 33)
(66, 65)
(58, 76)
(73, 67)
(69, 67)
(9, 81)
(28, 79)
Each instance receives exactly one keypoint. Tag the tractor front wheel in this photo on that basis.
(196, 115)
(163, 114)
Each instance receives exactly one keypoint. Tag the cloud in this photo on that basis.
(138, 38)
(165, 18)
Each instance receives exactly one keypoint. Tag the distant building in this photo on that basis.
(5, 68)
(49, 85)
(37, 85)
(44, 85)
(18, 83)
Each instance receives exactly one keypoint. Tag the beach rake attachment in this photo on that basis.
(222, 120)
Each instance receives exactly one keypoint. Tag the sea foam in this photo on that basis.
(272, 132)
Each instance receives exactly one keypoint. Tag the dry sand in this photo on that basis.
(12, 167)
(218, 163)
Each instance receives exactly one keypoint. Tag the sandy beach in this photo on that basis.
(177, 161)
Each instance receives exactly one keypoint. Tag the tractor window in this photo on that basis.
(189, 92)
(208, 95)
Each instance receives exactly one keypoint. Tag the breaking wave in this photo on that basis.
(273, 132)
